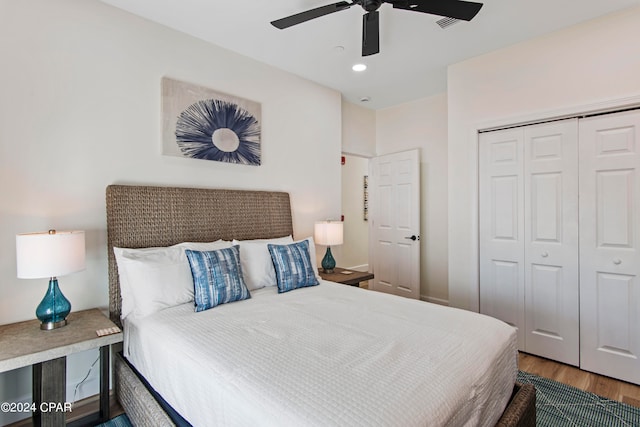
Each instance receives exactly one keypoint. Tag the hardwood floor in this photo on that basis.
(604, 386)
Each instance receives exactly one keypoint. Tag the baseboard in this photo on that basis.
(438, 301)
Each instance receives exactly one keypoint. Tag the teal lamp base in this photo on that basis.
(328, 262)
(54, 308)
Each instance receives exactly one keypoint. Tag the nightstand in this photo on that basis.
(353, 279)
(24, 343)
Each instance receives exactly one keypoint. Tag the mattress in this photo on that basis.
(328, 355)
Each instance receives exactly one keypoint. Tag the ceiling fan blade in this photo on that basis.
(457, 9)
(371, 33)
(308, 15)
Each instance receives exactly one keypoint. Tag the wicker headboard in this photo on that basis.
(141, 216)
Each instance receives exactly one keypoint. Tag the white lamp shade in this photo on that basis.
(328, 233)
(49, 254)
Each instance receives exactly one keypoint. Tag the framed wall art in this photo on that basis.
(200, 123)
(366, 197)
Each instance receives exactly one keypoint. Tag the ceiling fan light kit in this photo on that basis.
(454, 9)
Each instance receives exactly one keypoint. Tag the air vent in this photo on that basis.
(447, 22)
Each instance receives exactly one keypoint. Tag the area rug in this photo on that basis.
(119, 421)
(557, 405)
(562, 405)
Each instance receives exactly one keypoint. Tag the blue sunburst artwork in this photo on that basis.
(202, 124)
(213, 129)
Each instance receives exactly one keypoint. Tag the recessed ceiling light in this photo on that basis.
(365, 99)
(359, 67)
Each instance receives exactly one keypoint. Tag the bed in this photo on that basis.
(321, 355)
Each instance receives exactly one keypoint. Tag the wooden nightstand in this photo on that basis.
(24, 343)
(352, 279)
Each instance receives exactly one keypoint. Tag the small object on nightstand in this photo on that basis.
(108, 331)
(346, 272)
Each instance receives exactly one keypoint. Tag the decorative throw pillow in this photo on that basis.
(293, 266)
(217, 277)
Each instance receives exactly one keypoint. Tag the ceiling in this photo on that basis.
(414, 50)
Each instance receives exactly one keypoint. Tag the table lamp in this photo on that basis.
(328, 233)
(50, 254)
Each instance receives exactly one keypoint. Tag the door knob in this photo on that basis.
(413, 237)
(544, 254)
(617, 261)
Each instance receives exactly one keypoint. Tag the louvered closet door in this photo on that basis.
(551, 240)
(501, 204)
(609, 245)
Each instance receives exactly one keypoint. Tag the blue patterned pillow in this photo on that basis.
(217, 277)
(293, 266)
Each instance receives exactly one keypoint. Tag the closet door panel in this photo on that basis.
(610, 235)
(546, 207)
(501, 228)
(551, 240)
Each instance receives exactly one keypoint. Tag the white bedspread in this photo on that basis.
(329, 355)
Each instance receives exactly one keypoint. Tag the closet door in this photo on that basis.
(609, 245)
(501, 209)
(551, 240)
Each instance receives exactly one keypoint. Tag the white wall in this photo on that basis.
(354, 252)
(591, 66)
(359, 145)
(358, 130)
(80, 109)
(423, 124)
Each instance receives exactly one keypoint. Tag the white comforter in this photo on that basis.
(329, 355)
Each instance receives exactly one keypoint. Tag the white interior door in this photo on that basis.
(395, 223)
(501, 206)
(609, 240)
(551, 241)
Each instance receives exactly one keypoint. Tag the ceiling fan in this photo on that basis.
(456, 9)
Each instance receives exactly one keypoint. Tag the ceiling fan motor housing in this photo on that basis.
(371, 5)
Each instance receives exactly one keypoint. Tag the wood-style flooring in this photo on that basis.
(604, 386)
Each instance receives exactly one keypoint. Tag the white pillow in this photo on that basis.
(255, 261)
(312, 255)
(128, 304)
(152, 279)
